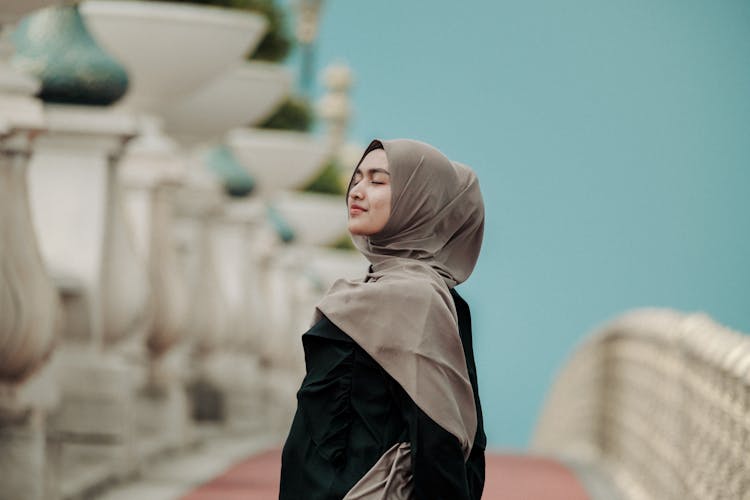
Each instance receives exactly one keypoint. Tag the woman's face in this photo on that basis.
(369, 198)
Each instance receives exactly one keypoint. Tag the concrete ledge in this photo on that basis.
(172, 476)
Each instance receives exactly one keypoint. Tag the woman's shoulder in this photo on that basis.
(325, 328)
(459, 300)
(413, 274)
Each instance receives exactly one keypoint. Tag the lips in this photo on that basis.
(356, 209)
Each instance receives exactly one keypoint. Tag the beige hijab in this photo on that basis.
(402, 314)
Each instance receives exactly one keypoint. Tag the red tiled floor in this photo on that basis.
(520, 477)
(257, 478)
(509, 477)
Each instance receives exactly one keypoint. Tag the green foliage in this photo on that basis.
(215, 3)
(344, 243)
(294, 114)
(328, 181)
(277, 42)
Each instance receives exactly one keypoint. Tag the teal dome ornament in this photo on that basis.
(237, 182)
(54, 45)
(282, 227)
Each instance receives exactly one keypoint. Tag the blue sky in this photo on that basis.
(612, 142)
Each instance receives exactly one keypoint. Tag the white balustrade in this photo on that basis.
(237, 365)
(232, 234)
(146, 258)
(151, 171)
(657, 402)
(30, 316)
(288, 310)
(30, 324)
(84, 236)
(186, 78)
(198, 204)
(78, 212)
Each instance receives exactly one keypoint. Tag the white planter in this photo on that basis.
(316, 219)
(244, 95)
(278, 159)
(170, 50)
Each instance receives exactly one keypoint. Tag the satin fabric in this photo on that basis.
(389, 479)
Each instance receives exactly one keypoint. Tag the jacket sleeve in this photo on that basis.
(438, 467)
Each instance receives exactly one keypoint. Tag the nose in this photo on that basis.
(355, 193)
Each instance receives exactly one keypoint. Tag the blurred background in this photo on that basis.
(171, 186)
(612, 141)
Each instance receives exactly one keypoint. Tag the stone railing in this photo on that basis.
(149, 302)
(659, 402)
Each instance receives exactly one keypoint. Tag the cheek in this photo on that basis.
(383, 204)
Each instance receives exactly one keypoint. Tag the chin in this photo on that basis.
(354, 231)
(358, 230)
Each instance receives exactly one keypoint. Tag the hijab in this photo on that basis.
(402, 313)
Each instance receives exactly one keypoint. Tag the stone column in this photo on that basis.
(151, 172)
(29, 309)
(237, 360)
(30, 321)
(84, 237)
(199, 201)
(284, 365)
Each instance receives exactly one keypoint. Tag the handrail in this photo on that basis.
(660, 400)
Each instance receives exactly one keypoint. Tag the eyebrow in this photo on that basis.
(373, 171)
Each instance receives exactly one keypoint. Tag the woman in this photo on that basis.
(389, 408)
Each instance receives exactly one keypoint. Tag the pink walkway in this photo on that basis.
(509, 477)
